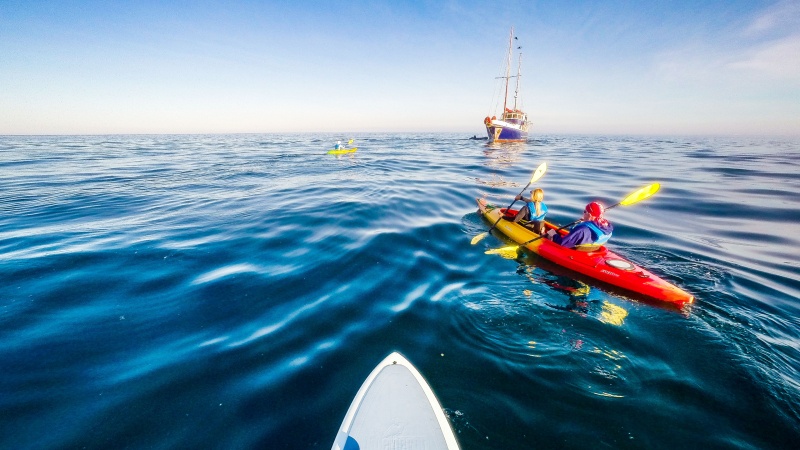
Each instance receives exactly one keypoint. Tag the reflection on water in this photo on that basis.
(577, 293)
(498, 181)
(608, 370)
(499, 156)
(613, 314)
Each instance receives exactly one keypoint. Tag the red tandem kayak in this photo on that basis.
(601, 264)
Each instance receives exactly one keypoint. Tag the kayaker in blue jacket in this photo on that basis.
(593, 231)
(534, 210)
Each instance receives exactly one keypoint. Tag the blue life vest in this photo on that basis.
(532, 211)
(601, 238)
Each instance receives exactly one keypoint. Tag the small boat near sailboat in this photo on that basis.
(512, 126)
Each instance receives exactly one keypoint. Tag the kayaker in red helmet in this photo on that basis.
(593, 230)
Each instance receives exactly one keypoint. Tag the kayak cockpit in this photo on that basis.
(589, 250)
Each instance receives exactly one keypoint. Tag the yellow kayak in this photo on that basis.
(342, 151)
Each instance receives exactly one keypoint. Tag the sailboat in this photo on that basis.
(512, 126)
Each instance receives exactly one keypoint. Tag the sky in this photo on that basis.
(726, 67)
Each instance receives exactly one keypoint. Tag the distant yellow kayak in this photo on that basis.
(342, 151)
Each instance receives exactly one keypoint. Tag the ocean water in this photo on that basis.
(233, 291)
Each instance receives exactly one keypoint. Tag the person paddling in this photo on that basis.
(534, 210)
(592, 232)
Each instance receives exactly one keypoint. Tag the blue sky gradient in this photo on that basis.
(610, 67)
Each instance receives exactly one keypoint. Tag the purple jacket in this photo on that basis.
(582, 233)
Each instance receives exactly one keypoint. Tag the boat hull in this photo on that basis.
(602, 264)
(501, 133)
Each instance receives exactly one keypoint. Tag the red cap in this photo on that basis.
(595, 209)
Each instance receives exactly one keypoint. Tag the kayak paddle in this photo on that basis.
(536, 175)
(641, 194)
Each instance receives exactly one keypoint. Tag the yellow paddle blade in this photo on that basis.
(505, 252)
(538, 172)
(641, 194)
(349, 142)
(479, 238)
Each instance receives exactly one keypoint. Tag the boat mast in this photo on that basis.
(516, 90)
(508, 67)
